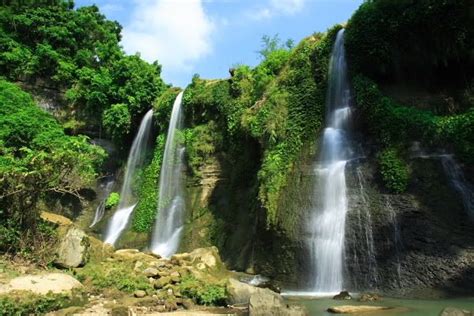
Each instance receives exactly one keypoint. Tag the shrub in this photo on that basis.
(394, 171)
(114, 275)
(117, 122)
(112, 200)
(203, 293)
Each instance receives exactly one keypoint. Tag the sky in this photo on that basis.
(208, 37)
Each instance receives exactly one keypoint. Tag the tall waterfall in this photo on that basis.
(328, 221)
(171, 204)
(128, 200)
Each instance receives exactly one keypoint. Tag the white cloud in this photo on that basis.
(277, 8)
(174, 32)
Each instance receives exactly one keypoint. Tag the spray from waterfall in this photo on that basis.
(171, 203)
(128, 200)
(328, 221)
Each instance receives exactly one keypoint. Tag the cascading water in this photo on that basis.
(328, 222)
(128, 200)
(397, 238)
(100, 210)
(365, 250)
(459, 183)
(171, 204)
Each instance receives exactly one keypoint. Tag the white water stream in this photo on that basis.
(128, 200)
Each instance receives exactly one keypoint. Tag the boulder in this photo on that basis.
(151, 272)
(344, 295)
(209, 257)
(354, 309)
(162, 282)
(58, 283)
(73, 250)
(453, 311)
(368, 297)
(239, 292)
(266, 302)
(139, 293)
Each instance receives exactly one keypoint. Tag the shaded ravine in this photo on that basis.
(128, 200)
(171, 204)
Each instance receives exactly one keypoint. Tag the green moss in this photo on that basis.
(203, 293)
(116, 275)
(145, 212)
(394, 171)
(392, 124)
(33, 304)
(202, 143)
(112, 200)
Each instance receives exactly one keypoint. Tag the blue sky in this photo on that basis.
(209, 36)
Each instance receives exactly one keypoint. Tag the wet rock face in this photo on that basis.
(422, 239)
(73, 250)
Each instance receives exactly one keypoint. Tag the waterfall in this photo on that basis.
(364, 223)
(459, 183)
(171, 203)
(106, 188)
(397, 238)
(328, 221)
(128, 200)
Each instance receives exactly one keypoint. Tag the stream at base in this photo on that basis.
(405, 307)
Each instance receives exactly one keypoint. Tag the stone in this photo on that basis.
(181, 257)
(368, 297)
(453, 311)
(239, 292)
(137, 266)
(188, 304)
(175, 277)
(266, 302)
(163, 273)
(344, 295)
(139, 293)
(73, 250)
(162, 282)
(58, 283)
(151, 272)
(208, 256)
(55, 219)
(354, 309)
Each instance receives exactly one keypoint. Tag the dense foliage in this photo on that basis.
(203, 293)
(279, 103)
(112, 200)
(77, 53)
(394, 171)
(393, 124)
(427, 41)
(145, 212)
(37, 159)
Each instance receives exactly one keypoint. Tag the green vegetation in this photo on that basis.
(392, 124)
(37, 161)
(79, 56)
(114, 275)
(394, 171)
(32, 304)
(203, 293)
(112, 200)
(145, 212)
(279, 103)
(427, 42)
